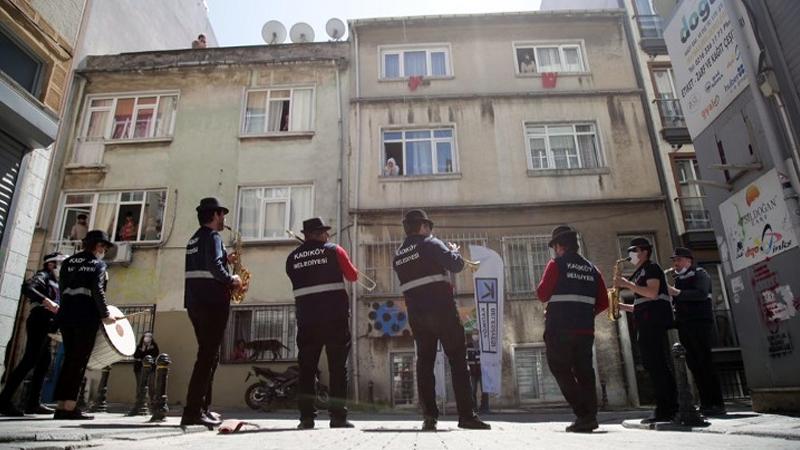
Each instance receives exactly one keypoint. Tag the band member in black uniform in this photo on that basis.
(575, 293)
(207, 296)
(422, 264)
(83, 279)
(42, 291)
(317, 269)
(694, 315)
(652, 312)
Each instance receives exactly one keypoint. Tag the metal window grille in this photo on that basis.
(141, 323)
(534, 380)
(525, 258)
(733, 383)
(267, 333)
(403, 383)
(379, 257)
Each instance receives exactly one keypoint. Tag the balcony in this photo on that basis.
(673, 123)
(651, 32)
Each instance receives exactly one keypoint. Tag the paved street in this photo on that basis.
(740, 430)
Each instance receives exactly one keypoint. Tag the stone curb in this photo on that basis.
(668, 426)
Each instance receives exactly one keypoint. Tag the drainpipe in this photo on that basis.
(651, 129)
(354, 308)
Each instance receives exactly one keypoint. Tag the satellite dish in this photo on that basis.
(301, 32)
(335, 29)
(273, 32)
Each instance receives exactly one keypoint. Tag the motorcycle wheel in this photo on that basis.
(257, 396)
(323, 396)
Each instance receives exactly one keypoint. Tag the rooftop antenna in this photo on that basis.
(335, 29)
(273, 32)
(301, 32)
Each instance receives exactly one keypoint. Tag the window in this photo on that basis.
(136, 216)
(535, 382)
(542, 58)
(525, 258)
(278, 110)
(19, 64)
(402, 373)
(408, 62)
(265, 213)
(725, 328)
(690, 195)
(420, 152)
(260, 333)
(562, 146)
(130, 117)
(669, 106)
(379, 257)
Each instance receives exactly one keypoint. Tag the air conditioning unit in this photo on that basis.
(121, 254)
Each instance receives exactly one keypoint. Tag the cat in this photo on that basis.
(261, 346)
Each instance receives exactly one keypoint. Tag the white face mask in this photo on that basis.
(100, 254)
(682, 271)
(634, 256)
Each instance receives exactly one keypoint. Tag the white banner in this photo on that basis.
(489, 308)
(706, 61)
(756, 222)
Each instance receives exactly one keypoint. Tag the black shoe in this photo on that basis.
(305, 424)
(429, 424)
(212, 416)
(341, 423)
(39, 409)
(199, 420)
(583, 425)
(473, 423)
(75, 414)
(713, 411)
(8, 409)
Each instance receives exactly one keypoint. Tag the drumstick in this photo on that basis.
(128, 316)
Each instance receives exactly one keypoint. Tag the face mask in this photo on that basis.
(682, 271)
(100, 254)
(634, 257)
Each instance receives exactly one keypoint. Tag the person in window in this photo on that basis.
(151, 229)
(527, 64)
(147, 347)
(391, 169)
(207, 295)
(82, 281)
(574, 293)
(652, 312)
(239, 351)
(79, 228)
(200, 42)
(317, 269)
(423, 265)
(43, 293)
(694, 315)
(127, 231)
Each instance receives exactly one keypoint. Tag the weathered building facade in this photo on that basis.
(501, 126)
(258, 127)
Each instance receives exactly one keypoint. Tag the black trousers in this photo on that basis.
(209, 322)
(654, 351)
(78, 346)
(429, 329)
(335, 337)
(569, 357)
(36, 357)
(696, 338)
(476, 380)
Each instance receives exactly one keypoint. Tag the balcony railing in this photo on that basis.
(650, 26)
(673, 122)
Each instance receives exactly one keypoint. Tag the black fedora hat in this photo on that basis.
(681, 252)
(95, 236)
(314, 224)
(560, 232)
(639, 242)
(54, 257)
(417, 215)
(211, 203)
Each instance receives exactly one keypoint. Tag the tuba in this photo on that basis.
(237, 295)
(614, 292)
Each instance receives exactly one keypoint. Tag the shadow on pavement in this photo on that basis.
(26, 419)
(121, 426)
(733, 416)
(266, 430)
(400, 430)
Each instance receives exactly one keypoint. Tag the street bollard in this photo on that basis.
(101, 405)
(140, 407)
(81, 403)
(687, 414)
(160, 407)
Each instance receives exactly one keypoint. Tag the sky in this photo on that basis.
(239, 22)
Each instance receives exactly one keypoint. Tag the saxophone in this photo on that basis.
(614, 292)
(237, 295)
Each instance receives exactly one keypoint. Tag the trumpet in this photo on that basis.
(473, 266)
(368, 283)
(669, 271)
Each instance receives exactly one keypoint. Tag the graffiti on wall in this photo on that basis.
(777, 304)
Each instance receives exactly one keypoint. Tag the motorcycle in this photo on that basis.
(273, 387)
